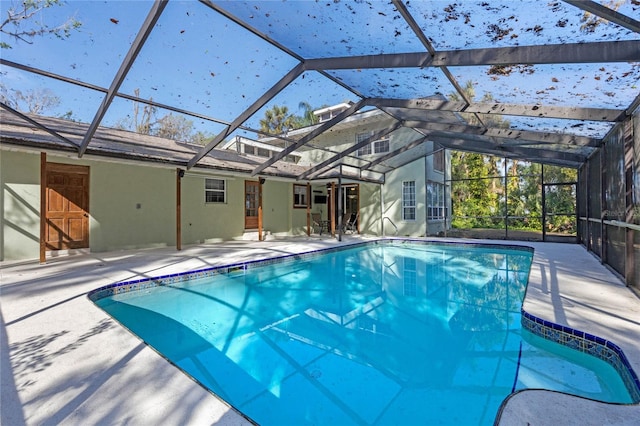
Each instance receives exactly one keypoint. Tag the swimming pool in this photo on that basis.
(401, 333)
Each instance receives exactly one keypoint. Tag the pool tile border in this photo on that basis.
(586, 343)
(170, 279)
(241, 267)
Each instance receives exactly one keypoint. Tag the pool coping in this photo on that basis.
(572, 338)
(64, 361)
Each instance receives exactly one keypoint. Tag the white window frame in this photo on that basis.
(380, 146)
(436, 207)
(409, 201)
(365, 150)
(301, 195)
(215, 191)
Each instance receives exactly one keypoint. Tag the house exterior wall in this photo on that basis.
(383, 219)
(210, 222)
(133, 206)
(392, 195)
(342, 139)
(370, 213)
(277, 207)
(20, 205)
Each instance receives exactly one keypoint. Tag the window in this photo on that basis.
(365, 150)
(300, 196)
(376, 147)
(438, 161)
(409, 200)
(381, 146)
(263, 152)
(215, 191)
(248, 149)
(436, 209)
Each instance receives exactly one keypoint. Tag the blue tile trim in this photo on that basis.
(235, 268)
(587, 343)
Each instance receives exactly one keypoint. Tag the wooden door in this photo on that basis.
(67, 207)
(251, 203)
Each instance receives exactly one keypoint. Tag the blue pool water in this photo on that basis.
(375, 334)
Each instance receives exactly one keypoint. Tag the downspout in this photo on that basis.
(179, 176)
(340, 204)
(506, 201)
(260, 182)
(43, 207)
(308, 209)
(426, 210)
(447, 199)
(382, 210)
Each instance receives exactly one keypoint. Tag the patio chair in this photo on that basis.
(351, 223)
(319, 225)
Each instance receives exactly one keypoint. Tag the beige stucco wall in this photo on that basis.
(132, 205)
(370, 213)
(20, 205)
(208, 222)
(277, 203)
(392, 194)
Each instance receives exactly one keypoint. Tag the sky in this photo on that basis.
(197, 60)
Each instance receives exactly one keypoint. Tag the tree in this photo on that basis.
(590, 21)
(142, 118)
(277, 120)
(22, 24)
(308, 118)
(145, 121)
(477, 188)
(34, 101)
(560, 200)
(173, 127)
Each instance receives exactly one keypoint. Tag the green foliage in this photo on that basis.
(278, 120)
(479, 192)
(481, 196)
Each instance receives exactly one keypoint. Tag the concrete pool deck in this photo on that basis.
(64, 361)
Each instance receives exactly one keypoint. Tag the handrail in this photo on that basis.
(616, 223)
(391, 222)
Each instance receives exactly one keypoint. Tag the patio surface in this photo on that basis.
(64, 361)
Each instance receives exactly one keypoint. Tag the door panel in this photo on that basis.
(251, 198)
(54, 230)
(67, 210)
(76, 229)
(55, 201)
